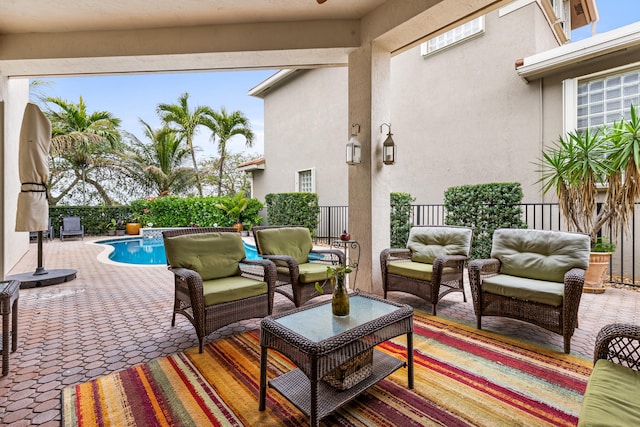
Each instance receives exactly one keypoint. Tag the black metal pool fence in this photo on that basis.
(625, 264)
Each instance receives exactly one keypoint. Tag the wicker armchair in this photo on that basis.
(431, 267)
(535, 276)
(215, 285)
(299, 266)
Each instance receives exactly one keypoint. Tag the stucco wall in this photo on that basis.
(306, 127)
(463, 116)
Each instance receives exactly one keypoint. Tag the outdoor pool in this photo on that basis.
(149, 251)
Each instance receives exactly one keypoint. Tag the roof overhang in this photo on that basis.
(252, 165)
(620, 45)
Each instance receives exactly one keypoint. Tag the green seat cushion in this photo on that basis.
(541, 291)
(538, 254)
(428, 243)
(414, 270)
(290, 241)
(232, 289)
(311, 272)
(611, 398)
(212, 255)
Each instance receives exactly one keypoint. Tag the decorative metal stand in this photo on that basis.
(348, 246)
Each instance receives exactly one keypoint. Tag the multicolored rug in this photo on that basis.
(463, 377)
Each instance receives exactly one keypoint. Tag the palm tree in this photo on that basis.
(186, 123)
(159, 164)
(224, 126)
(82, 142)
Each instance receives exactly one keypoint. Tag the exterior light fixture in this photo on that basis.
(354, 149)
(388, 147)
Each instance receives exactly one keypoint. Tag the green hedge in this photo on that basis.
(400, 219)
(293, 209)
(484, 207)
(170, 211)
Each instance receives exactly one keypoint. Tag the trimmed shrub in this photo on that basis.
(293, 209)
(484, 207)
(400, 219)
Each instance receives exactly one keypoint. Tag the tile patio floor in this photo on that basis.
(112, 317)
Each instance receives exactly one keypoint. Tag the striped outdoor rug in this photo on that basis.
(462, 377)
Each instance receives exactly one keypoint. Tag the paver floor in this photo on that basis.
(112, 317)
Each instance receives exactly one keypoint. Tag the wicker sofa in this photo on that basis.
(533, 275)
(611, 398)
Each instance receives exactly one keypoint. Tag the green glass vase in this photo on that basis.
(340, 300)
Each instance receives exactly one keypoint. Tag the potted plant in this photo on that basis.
(111, 227)
(133, 226)
(596, 176)
(233, 207)
(120, 227)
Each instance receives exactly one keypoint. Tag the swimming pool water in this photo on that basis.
(149, 251)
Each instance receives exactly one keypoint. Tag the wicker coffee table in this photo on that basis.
(320, 344)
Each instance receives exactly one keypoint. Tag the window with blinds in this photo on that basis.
(607, 99)
(452, 37)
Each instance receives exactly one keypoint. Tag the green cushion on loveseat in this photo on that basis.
(232, 289)
(611, 398)
(428, 243)
(537, 254)
(542, 291)
(290, 241)
(212, 255)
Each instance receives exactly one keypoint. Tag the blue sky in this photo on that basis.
(136, 96)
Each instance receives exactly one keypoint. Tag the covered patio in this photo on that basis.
(113, 317)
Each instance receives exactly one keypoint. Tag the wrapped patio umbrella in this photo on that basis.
(33, 207)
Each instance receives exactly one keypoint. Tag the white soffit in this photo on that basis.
(546, 63)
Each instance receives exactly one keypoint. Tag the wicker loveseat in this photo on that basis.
(533, 275)
(291, 249)
(215, 285)
(431, 266)
(611, 398)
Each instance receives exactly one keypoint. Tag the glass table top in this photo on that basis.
(319, 323)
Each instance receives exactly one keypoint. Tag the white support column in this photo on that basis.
(369, 86)
(14, 95)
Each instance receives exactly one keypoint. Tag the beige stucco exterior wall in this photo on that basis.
(307, 127)
(463, 116)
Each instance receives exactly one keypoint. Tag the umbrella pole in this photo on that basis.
(40, 269)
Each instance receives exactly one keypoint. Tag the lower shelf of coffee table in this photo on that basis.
(296, 387)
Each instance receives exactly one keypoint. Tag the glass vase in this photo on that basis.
(340, 299)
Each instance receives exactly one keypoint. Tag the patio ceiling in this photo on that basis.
(44, 37)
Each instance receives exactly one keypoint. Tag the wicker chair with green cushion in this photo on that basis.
(431, 266)
(533, 275)
(291, 248)
(611, 397)
(215, 285)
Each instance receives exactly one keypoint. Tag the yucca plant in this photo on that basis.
(584, 163)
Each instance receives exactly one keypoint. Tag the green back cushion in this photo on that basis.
(294, 242)
(537, 254)
(212, 255)
(428, 243)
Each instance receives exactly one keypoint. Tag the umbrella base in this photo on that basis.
(51, 277)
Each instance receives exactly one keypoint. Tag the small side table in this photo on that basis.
(9, 294)
(348, 246)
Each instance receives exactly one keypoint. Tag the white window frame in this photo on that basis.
(570, 93)
(460, 34)
(298, 181)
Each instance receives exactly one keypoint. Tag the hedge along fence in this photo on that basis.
(484, 207)
(173, 211)
(170, 211)
(293, 209)
(400, 219)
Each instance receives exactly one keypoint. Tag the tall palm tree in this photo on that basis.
(224, 126)
(186, 123)
(83, 141)
(158, 164)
